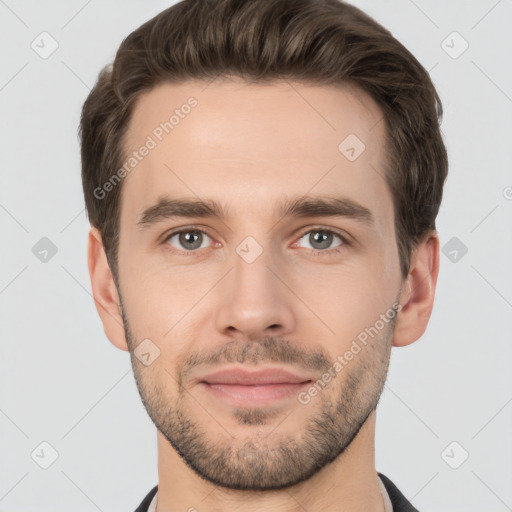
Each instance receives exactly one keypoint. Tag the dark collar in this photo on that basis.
(398, 500)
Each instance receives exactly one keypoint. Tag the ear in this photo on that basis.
(104, 291)
(417, 297)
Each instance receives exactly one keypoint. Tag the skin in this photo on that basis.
(298, 305)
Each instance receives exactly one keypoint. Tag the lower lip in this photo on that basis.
(254, 394)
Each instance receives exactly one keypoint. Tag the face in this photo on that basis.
(263, 306)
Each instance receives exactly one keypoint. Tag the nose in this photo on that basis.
(254, 300)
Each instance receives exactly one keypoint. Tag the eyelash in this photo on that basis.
(313, 252)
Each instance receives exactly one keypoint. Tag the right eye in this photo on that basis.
(188, 240)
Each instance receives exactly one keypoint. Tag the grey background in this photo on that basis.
(62, 381)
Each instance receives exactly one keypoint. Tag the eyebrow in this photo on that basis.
(167, 208)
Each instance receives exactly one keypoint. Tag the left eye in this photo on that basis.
(321, 239)
(190, 240)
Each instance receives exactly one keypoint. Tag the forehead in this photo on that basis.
(243, 143)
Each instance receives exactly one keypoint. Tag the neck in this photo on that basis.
(348, 484)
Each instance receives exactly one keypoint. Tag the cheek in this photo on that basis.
(160, 300)
(347, 298)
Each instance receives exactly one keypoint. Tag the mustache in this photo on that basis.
(269, 349)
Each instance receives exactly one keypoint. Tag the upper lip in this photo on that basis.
(256, 377)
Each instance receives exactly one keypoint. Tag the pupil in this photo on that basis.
(322, 238)
(188, 237)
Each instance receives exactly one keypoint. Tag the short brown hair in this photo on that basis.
(321, 42)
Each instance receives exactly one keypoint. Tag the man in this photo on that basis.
(262, 178)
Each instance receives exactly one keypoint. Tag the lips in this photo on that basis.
(242, 377)
(250, 388)
(243, 388)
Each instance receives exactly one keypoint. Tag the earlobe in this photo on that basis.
(417, 297)
(106, 298)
